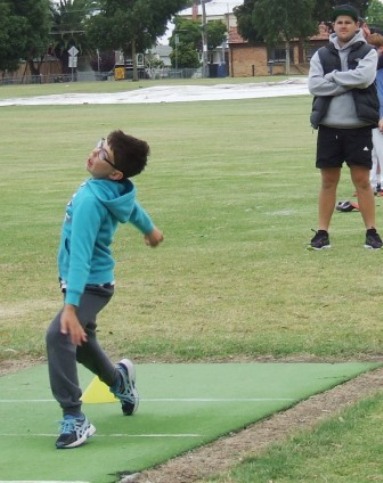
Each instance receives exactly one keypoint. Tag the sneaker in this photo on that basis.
(347, 206)
(320, 240)
(373, 239)
(126, 391)
(74, 431)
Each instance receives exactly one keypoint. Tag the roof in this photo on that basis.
(162, 50)
(236, 38)
(213, 7)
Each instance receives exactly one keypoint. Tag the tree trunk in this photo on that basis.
(301, 57)
(134, 61)
(288, 57)
(32, 67)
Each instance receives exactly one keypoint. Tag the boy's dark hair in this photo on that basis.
(130, 154)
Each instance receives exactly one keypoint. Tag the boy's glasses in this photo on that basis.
(102, 153)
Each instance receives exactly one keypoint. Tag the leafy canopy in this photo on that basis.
(24, 31)
(119, 23)
(375, 13)
(276, 20)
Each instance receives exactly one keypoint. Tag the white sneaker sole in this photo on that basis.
(90, 432)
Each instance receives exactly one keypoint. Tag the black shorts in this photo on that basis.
(336, 146)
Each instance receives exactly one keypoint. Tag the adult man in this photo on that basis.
(345, 110)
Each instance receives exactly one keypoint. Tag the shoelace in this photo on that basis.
(68, 425)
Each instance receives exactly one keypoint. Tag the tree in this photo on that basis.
(278, 21)
(12, 42)
(245, 21)
(321, 12)
(68, 28)
(37, 28)
(131, 25)
(184, 56)
(24, 27)
(375, 13)
(323, 8)
(186, 42)
(216, 33)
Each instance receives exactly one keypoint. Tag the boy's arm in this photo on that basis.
(70, 325)
(154, 238)
(85, 226)
(142, 221)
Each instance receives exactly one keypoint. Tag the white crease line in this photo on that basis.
(181, 400)
(26, 401)
(159, 435)
(213, 400)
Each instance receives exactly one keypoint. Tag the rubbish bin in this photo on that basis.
(222, 71)
(119, 72)
(213, 70)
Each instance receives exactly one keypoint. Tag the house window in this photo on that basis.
(310, 52)
(278, 55)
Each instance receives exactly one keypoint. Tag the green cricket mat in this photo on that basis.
(182, 406)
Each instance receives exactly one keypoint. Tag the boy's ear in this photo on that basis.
(116, 175)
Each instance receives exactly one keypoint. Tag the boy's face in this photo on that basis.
(345, 28)
(100, 163)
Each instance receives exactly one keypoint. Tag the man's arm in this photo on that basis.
(320, 84)
(359, 78)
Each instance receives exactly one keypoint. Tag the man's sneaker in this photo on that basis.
(74, 431)
(126, 390)
(373, 239)
(320, 240)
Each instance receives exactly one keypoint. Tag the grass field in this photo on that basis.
(233, 186)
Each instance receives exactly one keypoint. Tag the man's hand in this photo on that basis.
(70, 325)
(154, 238)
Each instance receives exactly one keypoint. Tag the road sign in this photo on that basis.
(73, 51)
(72, 61)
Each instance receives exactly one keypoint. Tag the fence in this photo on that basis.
(149, 73)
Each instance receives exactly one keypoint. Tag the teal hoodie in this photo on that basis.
(91, 220)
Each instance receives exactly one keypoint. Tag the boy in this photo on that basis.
(86, 277)
(345, 109)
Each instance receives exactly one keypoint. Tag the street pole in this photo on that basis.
(176, 42)
(287, 43)
(204, 40)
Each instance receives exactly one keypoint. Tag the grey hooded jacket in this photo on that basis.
(344, 94)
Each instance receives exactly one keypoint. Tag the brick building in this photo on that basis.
(246, 60)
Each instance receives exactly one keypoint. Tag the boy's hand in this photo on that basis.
(154, 238)
(70, 325)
